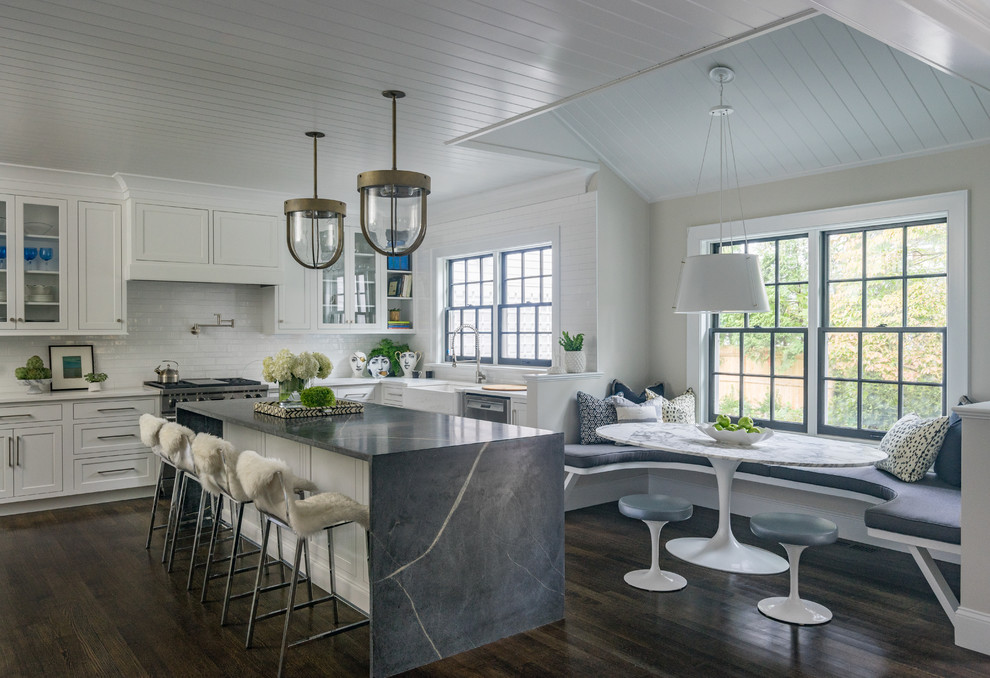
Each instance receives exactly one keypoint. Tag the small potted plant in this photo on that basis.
(573, 351)
(95, 380)
(34, 374)
(317, 396)
(393, 314)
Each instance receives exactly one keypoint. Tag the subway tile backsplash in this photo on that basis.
(160, 316)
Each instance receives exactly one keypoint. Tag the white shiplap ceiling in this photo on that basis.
(221, 91)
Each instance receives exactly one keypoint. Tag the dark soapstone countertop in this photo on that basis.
(379, 430)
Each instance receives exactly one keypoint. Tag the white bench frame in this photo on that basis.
(918, 547)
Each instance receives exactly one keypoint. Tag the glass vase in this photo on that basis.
(288, 390)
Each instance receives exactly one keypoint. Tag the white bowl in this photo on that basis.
(739, 437)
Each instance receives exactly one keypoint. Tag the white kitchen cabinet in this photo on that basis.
(33, 461)
(350, 294)
(245, 240)
(100, 292)
(33, 277)
(345, 297)
(106, 452)
(519, 412)
(199, 244)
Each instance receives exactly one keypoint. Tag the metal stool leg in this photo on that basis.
(172, 511)
(214, 534)
(265, 531)
(154, 503)
(195, 545)
(233, 563)
(301, 545)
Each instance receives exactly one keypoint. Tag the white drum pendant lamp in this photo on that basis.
(722, 282)
(393, 203)
(314, 227)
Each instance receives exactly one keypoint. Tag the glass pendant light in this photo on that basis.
(722, 282)
(393, 203)
(314, 227)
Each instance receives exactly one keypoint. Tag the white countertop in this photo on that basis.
(19, 396)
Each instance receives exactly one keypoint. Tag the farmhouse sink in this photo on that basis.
(441, 398)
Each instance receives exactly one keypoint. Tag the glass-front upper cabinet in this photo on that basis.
(33, 263)
(349, 290)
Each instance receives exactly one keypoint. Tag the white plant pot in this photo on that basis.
(574, 361)
(96, 386)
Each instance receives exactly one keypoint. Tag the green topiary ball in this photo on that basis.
(317, 396)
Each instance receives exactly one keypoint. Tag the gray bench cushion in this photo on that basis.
(928, 509)
(590, 456)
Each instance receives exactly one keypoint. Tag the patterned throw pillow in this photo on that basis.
(679, 410)
(592, 413)
(627, 410)
(912, 444)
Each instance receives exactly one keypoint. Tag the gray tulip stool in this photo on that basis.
(656, 510)
(795, 532)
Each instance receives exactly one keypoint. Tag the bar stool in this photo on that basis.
(150, 426)
(656, 510)
(265, 481)
(795, 532)
(176, 442)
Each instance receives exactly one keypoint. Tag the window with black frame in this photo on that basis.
(470, 301)
(508, 296)
(526, 308)
(758, 361)
(883, 334)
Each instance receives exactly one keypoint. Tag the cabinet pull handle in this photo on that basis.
(119, 435)
(20, 320)
(118, 409)
(11, 320)
(17, 416)
(118, 470)
(17, 451)
(10, 452)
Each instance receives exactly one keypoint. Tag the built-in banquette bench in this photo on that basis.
(923, 515)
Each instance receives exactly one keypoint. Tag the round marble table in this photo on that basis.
(722, 551)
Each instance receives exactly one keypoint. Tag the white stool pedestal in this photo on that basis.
(655, 579)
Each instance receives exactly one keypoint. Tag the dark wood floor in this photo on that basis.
(80, 596)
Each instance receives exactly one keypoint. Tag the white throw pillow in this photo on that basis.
(912, 444)
(627, 410)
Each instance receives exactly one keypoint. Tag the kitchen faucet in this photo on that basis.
(479, 376)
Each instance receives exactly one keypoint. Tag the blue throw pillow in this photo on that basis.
(618, 388)
(948, 463)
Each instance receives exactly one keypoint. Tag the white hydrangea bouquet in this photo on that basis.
(291, 372)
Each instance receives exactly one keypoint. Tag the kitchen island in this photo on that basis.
(467, 519)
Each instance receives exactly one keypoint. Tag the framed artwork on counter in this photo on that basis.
(69, 364)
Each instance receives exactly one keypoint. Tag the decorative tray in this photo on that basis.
(300, 412)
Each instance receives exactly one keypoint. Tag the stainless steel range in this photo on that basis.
(192, 390)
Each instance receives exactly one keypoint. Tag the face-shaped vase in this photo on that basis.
(358, 362)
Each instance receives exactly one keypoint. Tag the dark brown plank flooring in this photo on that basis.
(80, 596)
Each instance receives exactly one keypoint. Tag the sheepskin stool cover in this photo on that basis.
(150, 426)
(210, 454)
(176, 441)
(309, 516)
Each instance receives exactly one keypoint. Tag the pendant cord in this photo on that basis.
(315, 138)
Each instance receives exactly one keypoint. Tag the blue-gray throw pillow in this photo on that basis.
(592, 413)
(620, 389)
(948, 463)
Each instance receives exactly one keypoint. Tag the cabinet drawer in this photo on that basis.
(89, 438)
(106, 409)
(392, 395)
(113, 473)
(361, 394)
(19, 415)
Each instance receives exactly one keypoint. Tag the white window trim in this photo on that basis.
(953, 206)
(548, 235)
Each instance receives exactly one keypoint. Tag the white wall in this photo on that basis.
(516, 215)
(944, 172)
(624, 273)
(160, 315)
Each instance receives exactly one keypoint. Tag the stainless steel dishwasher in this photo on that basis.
(488, 407)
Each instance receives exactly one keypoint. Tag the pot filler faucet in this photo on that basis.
(479, 376)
